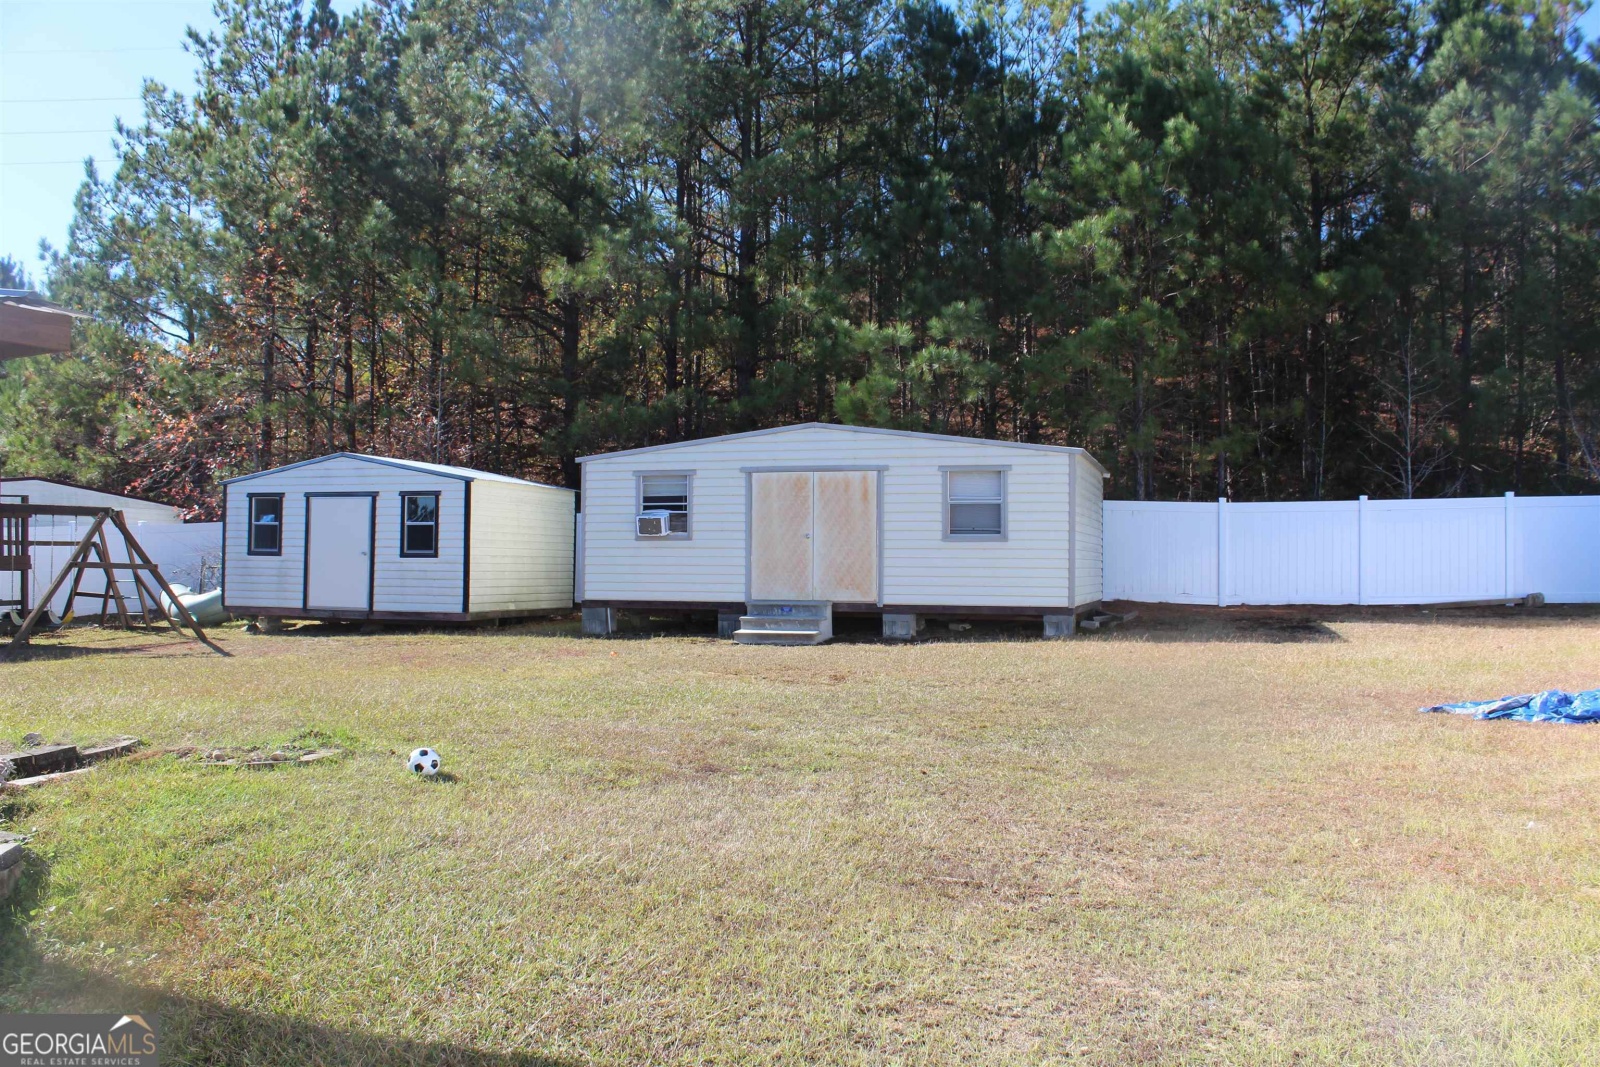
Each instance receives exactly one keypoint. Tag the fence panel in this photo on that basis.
(1557, 542)
(1162, 552)
(1433, 551)
(1292, 553)
(188, 554)
(1354, 552)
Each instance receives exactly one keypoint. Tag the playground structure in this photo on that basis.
(156, 602)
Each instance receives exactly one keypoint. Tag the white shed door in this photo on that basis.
(338, 552)
(814, 536)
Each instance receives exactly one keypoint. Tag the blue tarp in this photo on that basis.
(1552, 705)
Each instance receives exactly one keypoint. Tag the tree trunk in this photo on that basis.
(1563, 415)
(349, 369)
(675, 286)
(747, 241)
(268, 385)
(308, 384)
(1464, 353)
(571, 339)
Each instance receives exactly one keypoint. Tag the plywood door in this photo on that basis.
(780, 536)
(338, 552)
(845, 536)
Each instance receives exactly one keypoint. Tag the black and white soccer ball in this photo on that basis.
(424, 761)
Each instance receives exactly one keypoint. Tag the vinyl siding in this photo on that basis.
(522, 545)
(399, 584)
(1088, 496)
(919, 566)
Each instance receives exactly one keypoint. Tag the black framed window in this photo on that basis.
(266, 524)
(419, 524)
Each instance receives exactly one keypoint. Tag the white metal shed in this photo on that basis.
(856, 519)
(348, 536)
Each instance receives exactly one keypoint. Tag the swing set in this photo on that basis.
(156, 602)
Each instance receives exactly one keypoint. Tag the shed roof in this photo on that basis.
(462, 474)
(12, 479)
(30, 325)
(852, 429)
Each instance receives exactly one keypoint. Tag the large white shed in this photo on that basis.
(816, 519)
(348, 536)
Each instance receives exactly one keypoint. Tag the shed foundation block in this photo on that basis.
(600, 622)
(270, 624)
(10, 866)
(727, 623)
(1060, 625)
(900, 627)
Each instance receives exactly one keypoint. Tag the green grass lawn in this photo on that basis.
(1198, 841)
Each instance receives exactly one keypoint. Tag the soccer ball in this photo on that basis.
(425, 761)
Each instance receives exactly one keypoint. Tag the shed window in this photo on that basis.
(669, 493)
(975, 504)
(266, 525)
(419, 524)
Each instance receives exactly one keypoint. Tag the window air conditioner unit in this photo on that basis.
(653, 523)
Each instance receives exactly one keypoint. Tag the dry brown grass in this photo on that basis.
(1198, 841)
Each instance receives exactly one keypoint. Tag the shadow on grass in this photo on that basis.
(1233, 631)
(199, 1031)
(868, 630)
(1301, 623)
(557, 625)
(35, 652)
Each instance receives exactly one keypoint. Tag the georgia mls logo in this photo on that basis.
(77, 1041)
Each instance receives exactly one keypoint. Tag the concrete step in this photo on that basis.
(782, 637)
(791, 609)
(782, 622)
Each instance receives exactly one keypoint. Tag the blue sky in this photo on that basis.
(68, 69)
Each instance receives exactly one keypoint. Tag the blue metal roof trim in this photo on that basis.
(460, 474)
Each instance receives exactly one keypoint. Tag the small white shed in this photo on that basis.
(815, 519)
(349, 536)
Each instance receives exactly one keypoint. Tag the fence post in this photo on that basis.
(1361, 549)
(1510, 525)
(1222, 551)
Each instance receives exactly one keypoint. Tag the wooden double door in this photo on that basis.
(814, 535)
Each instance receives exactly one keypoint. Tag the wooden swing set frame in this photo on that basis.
(16, 545)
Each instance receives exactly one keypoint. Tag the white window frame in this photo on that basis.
(1005, 503)
(686, 534)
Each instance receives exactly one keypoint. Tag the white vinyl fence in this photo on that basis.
(1354, 551)
(188, 554)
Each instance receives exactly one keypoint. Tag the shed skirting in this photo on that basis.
(394, 616)
(1029, 611)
